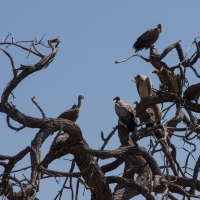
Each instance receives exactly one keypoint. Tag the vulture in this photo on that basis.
(126, 114)
(153, 113)
(157, 111)
(192, 93)
(147, 39)
(170, 79)
(147, 116)
(144, 85)
(73, 113)
(177, 82)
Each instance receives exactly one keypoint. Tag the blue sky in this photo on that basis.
(93, 35)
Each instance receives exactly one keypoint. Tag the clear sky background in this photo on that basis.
(94, 34)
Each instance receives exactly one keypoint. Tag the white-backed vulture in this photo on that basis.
(152, 114)
(144, 85)
(177, 82)
(126, 114)
(157, 112)
(73, 113)
(147, 39)
(170, 79)
(192, 93)
(147, 116)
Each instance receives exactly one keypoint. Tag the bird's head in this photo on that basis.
(136, 102)
(80, 97)
(155, 71)
(160, 27)
(138, 77)
(117, 98)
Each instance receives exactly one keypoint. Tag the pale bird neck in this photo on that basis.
(161, 29)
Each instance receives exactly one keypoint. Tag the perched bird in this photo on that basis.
(170, 79)
(192, 93)
(177, 82)
(147, 116)
(147, 39)
(126, 114)
(144, 85)
(157, 112)
(152, 114)
(73, 113)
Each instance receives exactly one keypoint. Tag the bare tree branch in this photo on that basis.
(140, 166)
(43, 115)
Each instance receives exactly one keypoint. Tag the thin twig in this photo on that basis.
(120, 61)
(24, 48)
(12, 62)
(77, 189)
(23, 169)
(107, 139)
(12, 127)
(71, 187)
(61, 190)
(195, 175)
(43, 114)
(65, 174)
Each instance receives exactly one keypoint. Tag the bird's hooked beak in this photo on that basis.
(80, 97)
(137, 77)
(136, 102)
(154, 71)
(117, 98)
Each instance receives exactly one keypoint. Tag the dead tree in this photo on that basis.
(142, 173)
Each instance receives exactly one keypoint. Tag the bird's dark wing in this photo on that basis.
(126, 114)
(71, 114)
(147, 116)
(167, 79)
(157, 111)
(146, 39)
(192, 92)
(148, 35)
